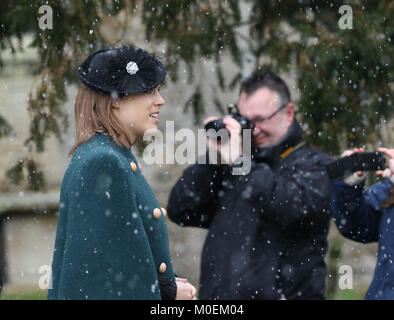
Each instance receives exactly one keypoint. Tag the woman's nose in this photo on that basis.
(160, 101)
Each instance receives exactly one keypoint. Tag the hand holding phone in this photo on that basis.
(359, 161)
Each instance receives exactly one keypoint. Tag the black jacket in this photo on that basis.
(267, 230)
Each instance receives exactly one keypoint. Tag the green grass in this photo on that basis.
(349, 294)
(30, 295)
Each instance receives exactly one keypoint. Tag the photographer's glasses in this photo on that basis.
(262, 119)
(234, 106)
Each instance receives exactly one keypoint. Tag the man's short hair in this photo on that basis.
(265, 79)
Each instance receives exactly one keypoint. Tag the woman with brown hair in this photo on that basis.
(111, 239)
(368, 216)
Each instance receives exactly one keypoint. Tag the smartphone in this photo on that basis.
(362, 161)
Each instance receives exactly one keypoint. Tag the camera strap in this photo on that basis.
(290, 150)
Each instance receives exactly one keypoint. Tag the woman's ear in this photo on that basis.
(115, 104)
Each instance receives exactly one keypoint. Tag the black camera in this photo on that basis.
(233, 112)
(362, 161)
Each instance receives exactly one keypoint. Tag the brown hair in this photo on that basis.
(94, 114)
(390, 199)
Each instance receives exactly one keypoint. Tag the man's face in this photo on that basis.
(260, 105)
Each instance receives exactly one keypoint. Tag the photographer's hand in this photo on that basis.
(356, 177)
(389, 172)
(232, 148)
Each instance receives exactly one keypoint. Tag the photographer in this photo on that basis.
(268, 228)
(365, 216)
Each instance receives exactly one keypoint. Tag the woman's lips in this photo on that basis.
(155, 117)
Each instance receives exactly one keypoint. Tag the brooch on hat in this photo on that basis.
(132, 67)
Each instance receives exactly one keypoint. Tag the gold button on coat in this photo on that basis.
(133, 166)
(157, 213)
(164, 211)
(162, 268)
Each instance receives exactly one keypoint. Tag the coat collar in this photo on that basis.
(106, 139)
(272, 153)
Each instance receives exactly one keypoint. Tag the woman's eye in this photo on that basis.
(152, 91)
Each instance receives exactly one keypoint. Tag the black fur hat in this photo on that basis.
(122, 71)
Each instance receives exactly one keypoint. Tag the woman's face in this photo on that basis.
(140, 112)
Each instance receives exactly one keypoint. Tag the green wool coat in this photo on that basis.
(108, 245)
